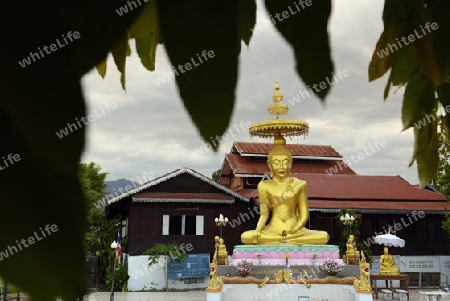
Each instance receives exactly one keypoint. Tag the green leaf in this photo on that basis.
(246, 19)
(31, 115)
(311, 47)
(101, 68)
(396, 12)
(418, 102)
(424, 45)
(395, 15)
(120, 51)
(100, 24)
(426, 151)
(381, 61)
(405, 66)
(387, 88)
(202, 36)
(441, 44)
(390, 46)
(145, 31)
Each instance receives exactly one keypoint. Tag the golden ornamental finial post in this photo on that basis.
(271, 128)
(278, 108)
(277, 96)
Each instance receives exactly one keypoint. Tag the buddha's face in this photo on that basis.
(385, 251)
(280, 166)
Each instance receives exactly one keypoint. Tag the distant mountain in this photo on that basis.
(114, 186)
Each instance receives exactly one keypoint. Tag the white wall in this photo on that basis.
(444, 263)
(145, 278)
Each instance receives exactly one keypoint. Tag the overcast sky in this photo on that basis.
(150, 132)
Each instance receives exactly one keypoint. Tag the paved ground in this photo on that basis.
(415, 295)
(200, 295)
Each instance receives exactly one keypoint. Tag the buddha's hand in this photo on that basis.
(256, 236)
(295, 230)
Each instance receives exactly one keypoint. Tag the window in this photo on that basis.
(124, 228)
(182, 225)
(447, 264)
(189, 225)
(420, 264)
(175, 224)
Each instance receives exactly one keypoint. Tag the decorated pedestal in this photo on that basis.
(277, 254)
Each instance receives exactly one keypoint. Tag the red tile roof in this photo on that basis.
(366, 192)
(249, 193)
(379, 205)
(245, 165)
(296, 149)
(364, 188)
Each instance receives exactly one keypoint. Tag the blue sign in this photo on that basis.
(196, 265)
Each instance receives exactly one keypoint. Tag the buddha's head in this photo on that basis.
(385, 251)
(351, 238)
(279, 158)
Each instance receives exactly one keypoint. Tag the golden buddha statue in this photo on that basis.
(287, 199)
(223, 254)
(387, 264)
(351, 249)
(222, 247)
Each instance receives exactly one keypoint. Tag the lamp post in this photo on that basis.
(221, 221)
(354, 249)
(113, 246)
(347, 219)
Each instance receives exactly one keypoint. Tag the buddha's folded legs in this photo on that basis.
(306, 237)
(389, 271)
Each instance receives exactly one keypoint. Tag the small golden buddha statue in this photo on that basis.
(286, 199)
(387, 264)
(223, 254)
(352, 255)
(222, 247)
(351, 249)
